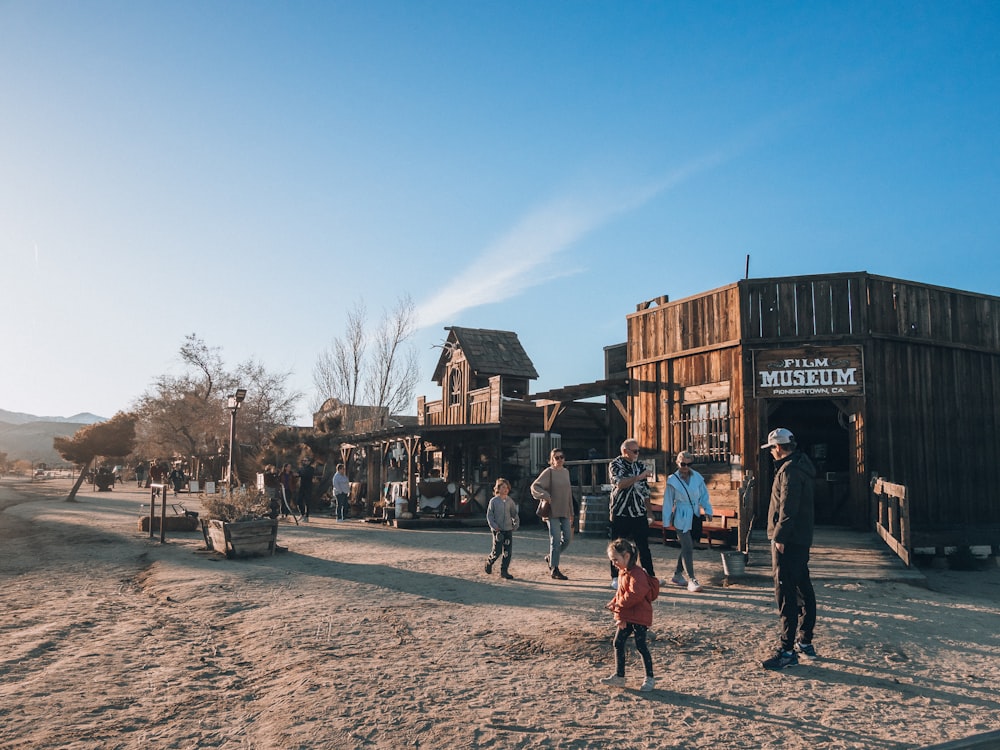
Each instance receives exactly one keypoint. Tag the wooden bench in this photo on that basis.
(722, 525)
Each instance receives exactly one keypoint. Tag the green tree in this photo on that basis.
(112, 439)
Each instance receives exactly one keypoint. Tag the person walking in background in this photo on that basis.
(140, 474)
(286, 486)
(686, 498)
(306, 474)
(554, 484)
(157, 473)
(504, 520)
(790, 521)
(177, 478)
(341, 492)
(272, 489)
(633, 610)
(629, 498)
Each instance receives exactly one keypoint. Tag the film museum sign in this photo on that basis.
(813, 372)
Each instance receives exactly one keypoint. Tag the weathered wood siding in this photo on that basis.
(933, 315)
(930, 416)
(803, 309)
(708, 320)
(934, 406)
(934, 426)
(673, 346)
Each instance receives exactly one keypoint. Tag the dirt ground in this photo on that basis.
(363, 636)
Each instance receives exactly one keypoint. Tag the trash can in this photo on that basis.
(595, 515)
(733, 564)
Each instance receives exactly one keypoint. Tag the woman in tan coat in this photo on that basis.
(554, 485)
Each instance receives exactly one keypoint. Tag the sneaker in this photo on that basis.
(505, 574)
(488, 567)
(557, 574)
(647, 685)
(806, 649)
(614, 680)
(693, 586)
(780, 660)
(678, 580)
(614, 583)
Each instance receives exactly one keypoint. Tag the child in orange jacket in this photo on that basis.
(633, 610)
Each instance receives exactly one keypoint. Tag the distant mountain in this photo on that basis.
(16, 417)
(27, 437)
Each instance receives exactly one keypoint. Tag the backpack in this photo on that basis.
(654, 586)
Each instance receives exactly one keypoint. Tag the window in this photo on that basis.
(707, 428)
(540, 448)
(455, 387)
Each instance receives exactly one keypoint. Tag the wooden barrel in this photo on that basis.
(595, 515)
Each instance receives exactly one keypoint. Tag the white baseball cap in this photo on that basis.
(780, 436)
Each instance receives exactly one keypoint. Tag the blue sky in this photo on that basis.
(248, 171)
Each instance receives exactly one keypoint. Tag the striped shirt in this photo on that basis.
(629, 502)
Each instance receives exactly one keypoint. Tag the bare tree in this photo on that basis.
(339, 369)
(371, 367)
(187, 415)
(269, 403)
(182, 415)
(206, 362)
(392, 368)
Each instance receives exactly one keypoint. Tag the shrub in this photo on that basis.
(241, 505)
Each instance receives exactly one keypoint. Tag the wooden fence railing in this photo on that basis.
(591, 475)
(892, 517)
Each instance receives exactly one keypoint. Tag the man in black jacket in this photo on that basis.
(790, 521)
(306, 474)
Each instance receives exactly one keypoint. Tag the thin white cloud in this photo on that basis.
(520, 259)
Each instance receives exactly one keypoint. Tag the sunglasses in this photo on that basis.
(686, 464)
(559, 458)
(631, 450)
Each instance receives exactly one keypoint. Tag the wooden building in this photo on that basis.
(486, 424)
(874, 375)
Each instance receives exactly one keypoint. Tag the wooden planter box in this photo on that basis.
(241, 538)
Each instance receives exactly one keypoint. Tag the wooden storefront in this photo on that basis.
(485, 425)
(874, 375)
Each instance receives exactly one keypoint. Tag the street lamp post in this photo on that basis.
(234, 406)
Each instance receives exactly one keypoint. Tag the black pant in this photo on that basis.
(636, 529)
(794, 594)
(621, 636)
(304, 497)
(502, 543)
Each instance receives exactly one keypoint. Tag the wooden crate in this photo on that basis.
(241, 538)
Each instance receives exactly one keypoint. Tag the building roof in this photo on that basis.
(488, 353)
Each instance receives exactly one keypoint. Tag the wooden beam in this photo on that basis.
(620, 407)
(551, 410)
(411, 442)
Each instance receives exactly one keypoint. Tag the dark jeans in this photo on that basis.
(794, 594)
(640, 645)
(303, 502)
(342, 506)
(636, 529)
(502, 543)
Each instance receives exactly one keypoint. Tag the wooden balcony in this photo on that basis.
(479, 406)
